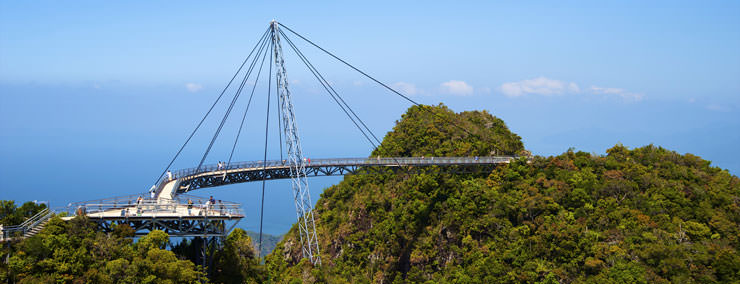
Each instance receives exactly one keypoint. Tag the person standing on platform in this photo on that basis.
(138, 205)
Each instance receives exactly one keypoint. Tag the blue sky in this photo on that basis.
(95, 97)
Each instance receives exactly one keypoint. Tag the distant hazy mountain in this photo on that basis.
(268, 241)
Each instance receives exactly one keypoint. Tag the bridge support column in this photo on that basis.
(301, 194)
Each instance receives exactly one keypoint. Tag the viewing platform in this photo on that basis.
(182, 216)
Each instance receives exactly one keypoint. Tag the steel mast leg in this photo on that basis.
(299, 182)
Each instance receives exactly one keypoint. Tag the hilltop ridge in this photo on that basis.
(644, 215)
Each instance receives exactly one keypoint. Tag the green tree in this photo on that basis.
(237, 262)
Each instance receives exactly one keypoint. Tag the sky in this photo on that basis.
(96, 97)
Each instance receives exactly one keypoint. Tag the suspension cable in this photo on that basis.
(231, 107)
(329, 89)
(264, 159)
(295, 48)
(279, 114)
(259, 72)
(211, 109)
(325, 83)
(377, 81)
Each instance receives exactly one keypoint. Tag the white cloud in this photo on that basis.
(625, 95)
(456, 87)
(606, 91)
(193, 87)
(406, 88)
(540, 86)
(573, 88)
(717, 107)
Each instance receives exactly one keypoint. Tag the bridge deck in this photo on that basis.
(217, 175)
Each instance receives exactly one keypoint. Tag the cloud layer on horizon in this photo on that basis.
(550, 87)
(625, 95)
(193, 87)
(539, 86)
(406, 88)
(456, 87)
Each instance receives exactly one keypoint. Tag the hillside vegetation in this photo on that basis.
(645, 215)
(75, 252)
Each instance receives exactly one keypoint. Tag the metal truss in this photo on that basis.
(175, 227)
(296, 161)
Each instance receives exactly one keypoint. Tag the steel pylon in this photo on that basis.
(295, 159)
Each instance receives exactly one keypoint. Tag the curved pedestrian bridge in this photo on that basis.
(179, 214)
(217, 175)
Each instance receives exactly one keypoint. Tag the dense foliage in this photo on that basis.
(438, 131)
(11, 214)
(74, 252)
(646, 215)
(237, 261)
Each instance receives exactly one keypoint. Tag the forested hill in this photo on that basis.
(645, 215)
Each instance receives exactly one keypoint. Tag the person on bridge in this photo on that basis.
(190, 207)
(169, 175)
(153, 194)
(138, 205)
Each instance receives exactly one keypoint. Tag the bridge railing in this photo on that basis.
(116, 201)
(372, 161)
(178, 207)
(410, 161)
(20, 230)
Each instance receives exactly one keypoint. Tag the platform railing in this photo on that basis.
(161, 207)
(116, 201)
